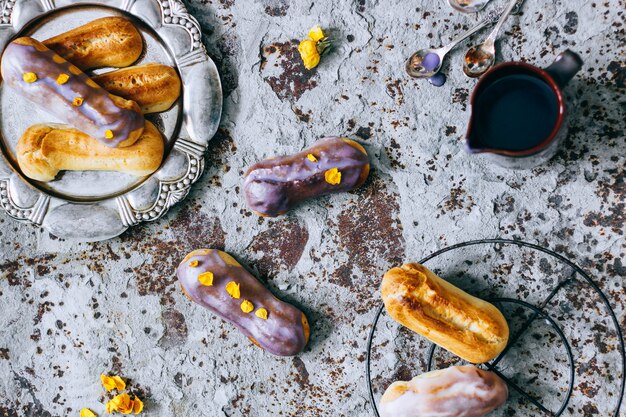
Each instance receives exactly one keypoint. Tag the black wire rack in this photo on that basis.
(536, 312)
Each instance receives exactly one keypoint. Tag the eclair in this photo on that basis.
(332, 165)
(154, 87)
(217, 282)
(62, 89)
(106, 42)
(458, 391)
(45, 149)
(469, 327)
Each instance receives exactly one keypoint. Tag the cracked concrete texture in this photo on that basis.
(71, 311)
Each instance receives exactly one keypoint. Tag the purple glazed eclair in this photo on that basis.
(216, 281)
(332, 165)
(48, 80)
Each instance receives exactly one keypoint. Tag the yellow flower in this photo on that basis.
(247, 306)
(85, 412)
(121, 403)
(309, 53)
(29, 77)
(314, 47)
(316, 33)
(333, 176)
(78, 101)
(261, 313)
(137, 406)
(108, 134)
(206, 278)
(232, 288)
(63, 78)
(311, 157)
(112, 382)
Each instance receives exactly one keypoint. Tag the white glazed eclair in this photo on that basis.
(458, 391)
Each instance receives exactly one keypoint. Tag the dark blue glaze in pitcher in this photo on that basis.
(518, 112)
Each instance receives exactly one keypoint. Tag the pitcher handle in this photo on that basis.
(566, 65)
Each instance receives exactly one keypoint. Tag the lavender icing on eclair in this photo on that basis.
(216, 281)
(45, 78)
(274, 186)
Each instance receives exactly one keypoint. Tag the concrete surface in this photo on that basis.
(69, 312)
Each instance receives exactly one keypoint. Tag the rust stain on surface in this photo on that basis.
(284, 71)
(370, 233)
(279, 247)
(276, 8)
(175, 328)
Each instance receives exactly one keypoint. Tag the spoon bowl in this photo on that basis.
(478, 60)
(424, 63)
(468, 6)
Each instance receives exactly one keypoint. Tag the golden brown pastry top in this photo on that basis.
(106, 42)
(465, 325)
(155, 87)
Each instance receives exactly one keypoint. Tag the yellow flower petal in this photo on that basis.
(206, 278)
(107, 382)
(110, 407)
(122, 403)
(247, 306)
(311, 157)
(112, 382)
(119, 383)
(316, 33)
(63, 78)
(333, 176)
(232, 288)
(85, 412)
(29, 77)
(309, 54)
(261, 313)
(137, 406)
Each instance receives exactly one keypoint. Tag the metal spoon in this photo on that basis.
(468, 6)
(427, 62)
(480, 58)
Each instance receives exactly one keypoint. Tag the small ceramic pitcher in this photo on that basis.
(518, 112)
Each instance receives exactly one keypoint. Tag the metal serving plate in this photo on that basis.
(98, 205)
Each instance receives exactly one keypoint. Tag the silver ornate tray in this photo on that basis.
(90, 205)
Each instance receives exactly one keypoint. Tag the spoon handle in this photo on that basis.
(491, 39)
(492, 17)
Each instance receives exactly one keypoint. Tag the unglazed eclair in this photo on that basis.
(458, 391)
(106, 42)
(216, 281)
(57, 86)
(469, 327)
(154, 87)
(332, 165)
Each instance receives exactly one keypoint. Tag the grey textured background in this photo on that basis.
(69, 311)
